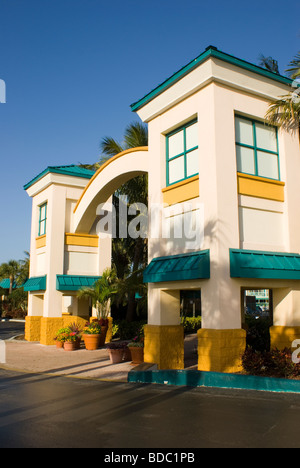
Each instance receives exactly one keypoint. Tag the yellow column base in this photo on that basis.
(283, 337)
(164, 346)
(32, 328)
(221, 350)
(50, 326)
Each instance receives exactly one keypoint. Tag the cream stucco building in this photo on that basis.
(214, 166)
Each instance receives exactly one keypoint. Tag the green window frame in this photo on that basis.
(256, 151)
(182, 157)
(43, 220)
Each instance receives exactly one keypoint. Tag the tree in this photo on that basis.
(102, 293)
(269, 63)
(10, 270)
(136, 191)
(285, 112)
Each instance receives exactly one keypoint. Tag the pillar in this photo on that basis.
(286, 318)
(164, 335)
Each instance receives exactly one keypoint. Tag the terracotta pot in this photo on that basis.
(70, 346)
(137, 355)
(77, 343)
(59, 344)
(116, 355)
(91, 342)
(127, 355)
(103, 335)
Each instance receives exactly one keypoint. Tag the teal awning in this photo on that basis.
(195, 265)
(5, 284)
(37, 283)
(74, 283)
(265, 265)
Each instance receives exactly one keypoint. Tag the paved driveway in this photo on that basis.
(10, 329)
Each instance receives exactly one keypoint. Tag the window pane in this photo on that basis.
(192, 162)
(176, 144)
(244, 131)
(245, 160)
(43, 212)
(176, 170)
(266, 137)
(42, 228)
(267, 165)
(192, 136)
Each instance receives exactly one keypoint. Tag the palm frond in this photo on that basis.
(136, 134)
(294, 67)
(285, 112)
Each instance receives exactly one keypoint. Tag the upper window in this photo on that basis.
(182, 153)
(43, 220)
(256, 148)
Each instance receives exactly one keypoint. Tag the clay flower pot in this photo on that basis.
(103, 335)
(92, 342)
(137, 354)
(70, 346)
(116, 355)
(59, 344)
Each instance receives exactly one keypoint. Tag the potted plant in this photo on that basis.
(117, 352)
(70, 341)
(101, 294)
(136, 347)
(91, 335)
(74, 328)
(60, 337)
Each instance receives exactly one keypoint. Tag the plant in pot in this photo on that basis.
(101, 295)
(74, 328)
(60, 337)
(117, 351)
(70, 341)
(136, 347)
(91, 336)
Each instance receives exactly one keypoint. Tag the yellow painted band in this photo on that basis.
(260, 187)
(41, 241)
(83, 240)
(182, 191)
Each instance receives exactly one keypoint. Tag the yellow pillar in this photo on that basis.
(221, 350)
(33, 328)
(283, 337)
(164, 346)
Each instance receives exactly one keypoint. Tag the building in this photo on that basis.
(214, 166)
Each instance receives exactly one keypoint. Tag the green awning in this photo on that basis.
(74, 283)
(5, 284)
(265, 265)
(195, 265)
(36, 284)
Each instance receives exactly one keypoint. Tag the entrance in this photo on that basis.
(257, 317)
(190, 312)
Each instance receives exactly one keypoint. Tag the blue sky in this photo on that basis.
(73, 67)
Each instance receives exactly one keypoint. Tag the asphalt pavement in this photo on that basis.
(10, 329)
(46, 411)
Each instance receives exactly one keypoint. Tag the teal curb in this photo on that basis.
(214, 379)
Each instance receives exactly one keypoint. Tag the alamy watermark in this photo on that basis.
(181, 224)
(2, 92)
(296, 354)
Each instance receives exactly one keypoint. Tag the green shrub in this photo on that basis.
(125, 330)
(274, 363)
(191, 324)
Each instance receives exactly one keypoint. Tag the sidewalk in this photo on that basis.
(36, 358)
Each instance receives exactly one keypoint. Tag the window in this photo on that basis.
(256, 148)
(43, 220)
(182, 153)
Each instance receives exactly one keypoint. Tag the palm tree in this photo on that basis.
(10, 270)
(285, 112)
(102, 293)
(136, 190)
(269, 63)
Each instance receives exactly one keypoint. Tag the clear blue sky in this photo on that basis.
(73, 67)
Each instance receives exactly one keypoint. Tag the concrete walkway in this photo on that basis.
(36, 358)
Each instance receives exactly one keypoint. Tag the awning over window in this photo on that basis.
(265, 265)
(5, 284)
(195, 265)
(36, 284)
(74, 283)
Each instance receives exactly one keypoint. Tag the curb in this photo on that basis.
(214, 380)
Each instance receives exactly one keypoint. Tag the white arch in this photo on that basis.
(114, 173)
